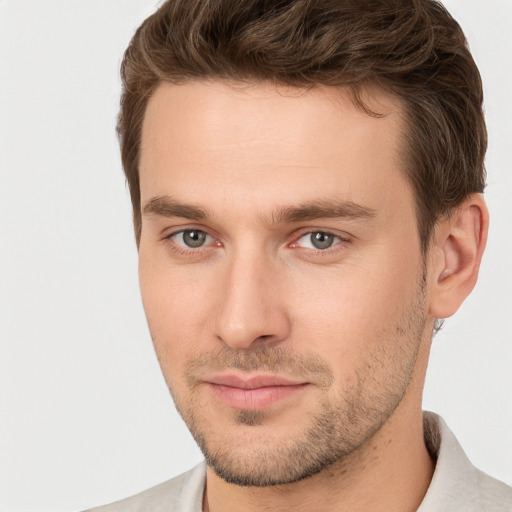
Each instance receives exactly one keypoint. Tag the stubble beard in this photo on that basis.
(340, 426)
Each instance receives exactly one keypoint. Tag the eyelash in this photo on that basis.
(338, 240)
(180, 249)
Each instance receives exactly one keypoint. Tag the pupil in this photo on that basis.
(194, 238)
(321, 240)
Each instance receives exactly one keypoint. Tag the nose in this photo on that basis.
(252, 309)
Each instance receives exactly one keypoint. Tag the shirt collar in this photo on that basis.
(454, 485)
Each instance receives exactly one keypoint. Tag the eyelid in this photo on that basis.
(175, 230)
(343, 239)
(342, 235)
(167, 238)
(207, 237)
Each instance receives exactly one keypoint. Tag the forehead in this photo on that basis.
(262, 140)
(241, 112)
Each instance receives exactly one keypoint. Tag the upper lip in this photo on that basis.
(253, 382)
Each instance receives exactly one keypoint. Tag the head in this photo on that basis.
(300, 173)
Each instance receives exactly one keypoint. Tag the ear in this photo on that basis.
(458, 244)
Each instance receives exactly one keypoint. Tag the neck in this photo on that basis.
(389, 473)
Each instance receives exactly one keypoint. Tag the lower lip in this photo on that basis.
(254, 399)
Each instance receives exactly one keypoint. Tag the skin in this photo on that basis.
(350, 322)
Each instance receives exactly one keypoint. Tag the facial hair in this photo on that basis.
(344, 421)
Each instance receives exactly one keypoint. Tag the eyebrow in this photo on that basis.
(166, 206)
(323, 209)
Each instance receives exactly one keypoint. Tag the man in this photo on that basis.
(306, 180)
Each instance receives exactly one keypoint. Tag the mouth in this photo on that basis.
(253, 393)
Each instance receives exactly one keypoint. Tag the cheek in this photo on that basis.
(176, 306)
(350, 313)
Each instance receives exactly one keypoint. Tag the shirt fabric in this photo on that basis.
(456, 485)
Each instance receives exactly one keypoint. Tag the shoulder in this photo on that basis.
(457, 484)
(183, 493)
(495, 496)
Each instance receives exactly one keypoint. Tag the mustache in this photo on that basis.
(276, 360)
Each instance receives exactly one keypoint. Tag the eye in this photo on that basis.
(319, 240)
(191, 238)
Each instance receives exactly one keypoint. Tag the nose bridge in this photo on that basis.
(251, 309)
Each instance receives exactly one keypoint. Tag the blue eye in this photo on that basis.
(319, 240)
(191, 238)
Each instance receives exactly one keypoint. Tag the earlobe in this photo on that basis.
(459, 243)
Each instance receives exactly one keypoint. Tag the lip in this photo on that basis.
(255, 392)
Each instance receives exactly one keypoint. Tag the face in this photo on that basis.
(281, 272)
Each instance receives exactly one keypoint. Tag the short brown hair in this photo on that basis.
(411, 48)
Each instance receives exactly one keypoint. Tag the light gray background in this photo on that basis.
(85, 417)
